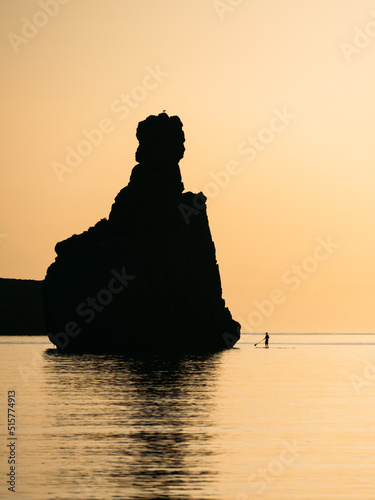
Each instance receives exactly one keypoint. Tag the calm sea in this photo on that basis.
(295, 421)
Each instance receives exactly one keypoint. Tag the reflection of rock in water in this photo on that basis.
(145, 422)
(147, 277)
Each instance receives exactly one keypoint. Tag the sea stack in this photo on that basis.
(146, 278)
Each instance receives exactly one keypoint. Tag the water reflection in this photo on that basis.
(142, 423)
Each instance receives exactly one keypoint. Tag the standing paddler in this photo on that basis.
(266, 338)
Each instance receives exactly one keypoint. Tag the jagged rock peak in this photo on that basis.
(161, 138)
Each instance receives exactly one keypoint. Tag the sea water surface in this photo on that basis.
(295, 421)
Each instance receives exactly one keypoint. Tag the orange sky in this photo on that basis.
(278, 110)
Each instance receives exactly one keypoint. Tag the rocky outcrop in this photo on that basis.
(146, 277)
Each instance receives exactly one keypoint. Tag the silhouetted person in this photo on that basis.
(266, 340)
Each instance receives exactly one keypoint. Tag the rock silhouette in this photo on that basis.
(147, 277)
(21, 307)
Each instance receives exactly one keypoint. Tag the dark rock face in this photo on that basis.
(146, 277)
(21, 307)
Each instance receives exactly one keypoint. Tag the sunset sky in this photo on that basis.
(277, 101)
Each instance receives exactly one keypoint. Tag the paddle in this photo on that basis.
(259, 342)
